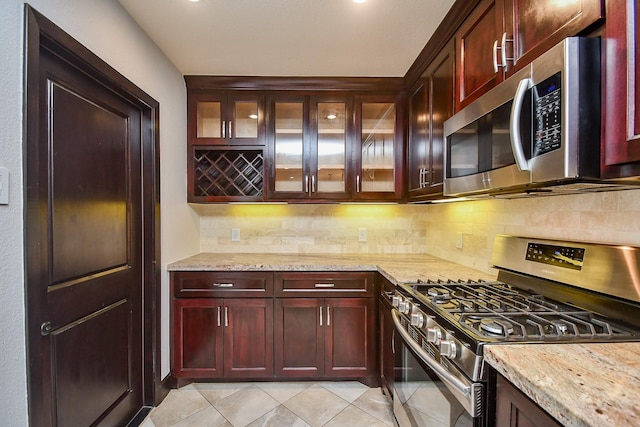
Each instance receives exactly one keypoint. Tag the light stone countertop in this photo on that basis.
(578, 384)
(398, 268)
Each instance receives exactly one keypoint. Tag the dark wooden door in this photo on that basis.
(248, 338)
(90, 236)
(299, 337)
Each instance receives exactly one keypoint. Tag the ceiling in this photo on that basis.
(340, 38)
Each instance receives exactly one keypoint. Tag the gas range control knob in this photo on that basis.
(417, 319)
(448, 349)
(404, 306)
(434, 335)
(395, 301)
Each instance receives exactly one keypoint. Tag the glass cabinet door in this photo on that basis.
(209, 119)
(245, 123)
(330, 149)
(377, 170)
(289, 144)
(226, 119)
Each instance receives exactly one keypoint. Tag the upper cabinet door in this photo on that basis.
(477, 45)
(534, 26)
(308, 148)
(378, 149)
(621, 94)
(330, 139)
(220, 118)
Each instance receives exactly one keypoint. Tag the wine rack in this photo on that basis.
(228, 173)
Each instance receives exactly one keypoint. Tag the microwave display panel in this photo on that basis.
(548, 117)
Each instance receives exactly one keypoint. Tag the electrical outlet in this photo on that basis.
(459, 240)
(362, 234)
(235, 234)
(4, 186)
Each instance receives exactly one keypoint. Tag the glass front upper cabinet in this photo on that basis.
(378, 149)
(227, 119)
(331, 148)
(289, 147)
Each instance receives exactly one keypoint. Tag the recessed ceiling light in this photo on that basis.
(355, 1)
(251, 116)
(194, 1)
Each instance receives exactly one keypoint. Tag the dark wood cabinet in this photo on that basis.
(515, 409)
(220, 328)
(225, 118)
(621, 86)
(501, 36)
(378, 148)
(310, 141)
(431, 103)
(534, 26)
(321, 332)
(477, 66)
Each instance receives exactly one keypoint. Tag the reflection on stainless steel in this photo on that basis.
(546, 291)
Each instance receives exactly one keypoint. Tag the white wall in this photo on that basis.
(105, 28)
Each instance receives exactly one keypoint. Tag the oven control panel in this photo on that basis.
(560, 256)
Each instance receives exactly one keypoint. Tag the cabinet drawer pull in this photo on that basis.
(223, 285)
(325, 285)
(321, 315)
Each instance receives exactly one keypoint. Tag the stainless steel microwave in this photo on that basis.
(537, 129)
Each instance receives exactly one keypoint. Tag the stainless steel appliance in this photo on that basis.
(538, 131)
(546, 291)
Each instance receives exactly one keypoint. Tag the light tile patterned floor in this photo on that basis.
(281, 404)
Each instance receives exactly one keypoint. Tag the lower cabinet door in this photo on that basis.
(350, 344)
(299, 337)
(248, 338)
(197, 338)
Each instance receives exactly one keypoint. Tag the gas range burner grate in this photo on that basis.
(497, 310)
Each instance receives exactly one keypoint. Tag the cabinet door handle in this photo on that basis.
(313, 183)
(503, 50)
(223, 285)
(219, 316)
(328, 315)
(224, 129)
(226, 316)
(325, 285)
(495, 56)
(321, 315)
(230, 129)
(358, 184)
(306, 183)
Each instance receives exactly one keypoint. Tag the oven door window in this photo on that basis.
(421, 398)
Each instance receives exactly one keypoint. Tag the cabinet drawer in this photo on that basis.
(309, 284)
(188, 284)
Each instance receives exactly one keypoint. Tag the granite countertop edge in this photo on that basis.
(581, 384)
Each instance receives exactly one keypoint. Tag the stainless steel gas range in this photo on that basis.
(546, 291)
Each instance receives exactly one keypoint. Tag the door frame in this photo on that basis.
(40, 32)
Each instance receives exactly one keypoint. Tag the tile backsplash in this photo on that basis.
(331, 228)
(608, 217)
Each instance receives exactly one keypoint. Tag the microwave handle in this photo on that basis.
(514, 127)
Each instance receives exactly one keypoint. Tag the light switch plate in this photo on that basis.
(235, 234)
(4, 186)
(362, 234)
(459, 240)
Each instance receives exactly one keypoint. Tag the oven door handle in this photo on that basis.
(464, 392)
